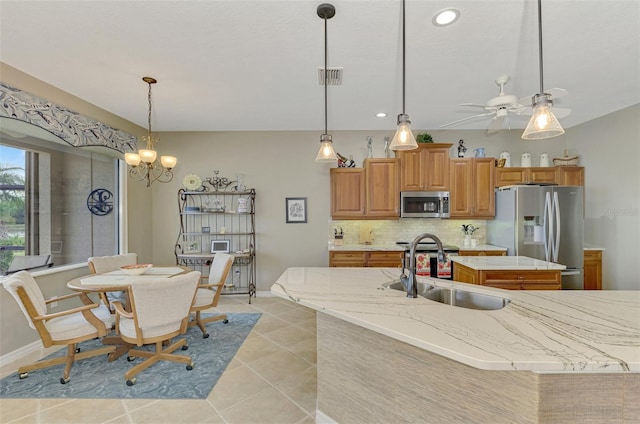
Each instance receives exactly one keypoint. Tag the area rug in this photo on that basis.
(95, 378)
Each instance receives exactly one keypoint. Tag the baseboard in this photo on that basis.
(19, 353)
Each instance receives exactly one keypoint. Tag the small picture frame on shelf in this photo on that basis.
(192, 247)
(206, 230)
(220, 246)
(296, 210)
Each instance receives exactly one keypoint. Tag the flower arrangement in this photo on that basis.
(469, 229)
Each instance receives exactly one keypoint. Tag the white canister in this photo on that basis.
(507, 157)
(544, 160)
(525, 161)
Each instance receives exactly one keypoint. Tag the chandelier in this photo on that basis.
(144, 164)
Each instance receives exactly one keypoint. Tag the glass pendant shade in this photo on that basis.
(403, 139)
(168, 161)
(326, 152)
(132, 159)
(147, 156)
(543, 124)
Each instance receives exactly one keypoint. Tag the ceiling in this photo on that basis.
(239, 65)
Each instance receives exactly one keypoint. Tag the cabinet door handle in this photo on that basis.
(521, 277)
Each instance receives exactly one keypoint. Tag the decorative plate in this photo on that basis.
(191, 182)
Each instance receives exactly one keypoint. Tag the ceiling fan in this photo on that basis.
(499, 107)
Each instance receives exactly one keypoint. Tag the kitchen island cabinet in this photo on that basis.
(535, 360)
(508, 272)
(425, 168)
(483, 250)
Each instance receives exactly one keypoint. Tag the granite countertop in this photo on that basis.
(539, 331)
(367, 247)
(485, 247)
(522, 263)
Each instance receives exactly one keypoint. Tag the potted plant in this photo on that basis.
(424, 138)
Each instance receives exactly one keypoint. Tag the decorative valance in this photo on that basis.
(76, 129)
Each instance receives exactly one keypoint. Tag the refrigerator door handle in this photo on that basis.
(556, 246)
(546, 226)
(569, 272)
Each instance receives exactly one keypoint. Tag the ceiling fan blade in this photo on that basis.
(495, 125)
(556, 92)
(467, 119)
(561, 112)
(473, 105)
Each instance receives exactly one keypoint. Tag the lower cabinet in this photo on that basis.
(593, 269)
(377, 259)
(476, 252)
(509, 279)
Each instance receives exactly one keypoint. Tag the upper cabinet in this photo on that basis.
(562, 175)
(472, 188)
(372, 192)
(425, 168)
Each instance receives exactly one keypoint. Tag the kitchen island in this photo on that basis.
(548, 356)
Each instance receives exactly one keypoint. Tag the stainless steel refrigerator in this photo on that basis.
(542, 222)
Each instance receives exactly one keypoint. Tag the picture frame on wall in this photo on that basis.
(296, 210)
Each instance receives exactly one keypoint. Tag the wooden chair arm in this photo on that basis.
(66, 296)
(120, 309)
(64, 313)
(208, 286)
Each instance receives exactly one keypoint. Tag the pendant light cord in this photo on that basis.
(403, 54)
(540, 45)
(326, 79)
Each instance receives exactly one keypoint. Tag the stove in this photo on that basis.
(435, 270)
(428, 247)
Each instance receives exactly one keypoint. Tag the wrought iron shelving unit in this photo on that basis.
(217, 218)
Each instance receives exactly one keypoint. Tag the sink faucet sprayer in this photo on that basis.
(409, 281)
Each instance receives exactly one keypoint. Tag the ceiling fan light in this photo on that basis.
(403, 138)
(543, 124)
(326, 152)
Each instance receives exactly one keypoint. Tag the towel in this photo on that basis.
(423, 264)
(444, 269)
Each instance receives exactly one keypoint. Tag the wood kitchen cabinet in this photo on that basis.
(593, 269)
(509, 279)
(382, 188)
(425, 168)
(472, 182)
(561, 175)
(570, 175)
(347, 193)
(372, 192)
(377, 259)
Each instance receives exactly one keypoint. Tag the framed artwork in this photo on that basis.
(220, 246)
(192, 247)
(296, 210)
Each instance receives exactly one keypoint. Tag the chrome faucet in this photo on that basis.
(409, 281)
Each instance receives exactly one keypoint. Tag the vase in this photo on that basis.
(467, 241)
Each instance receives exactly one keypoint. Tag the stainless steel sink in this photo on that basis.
(455, 296)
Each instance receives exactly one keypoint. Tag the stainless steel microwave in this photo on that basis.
(424, 204)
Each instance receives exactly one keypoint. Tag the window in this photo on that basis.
(56, 200)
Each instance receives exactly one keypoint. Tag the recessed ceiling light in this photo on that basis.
(381, 115)
(446, 17)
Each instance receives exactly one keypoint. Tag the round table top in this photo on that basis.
(118, 280)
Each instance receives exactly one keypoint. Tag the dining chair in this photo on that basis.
(159, 312)
(68, 327)
(207, 295)
(103, 264)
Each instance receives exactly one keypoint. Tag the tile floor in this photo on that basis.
(272, 379)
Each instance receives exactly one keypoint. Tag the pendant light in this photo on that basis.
(403, 139)
(326, 152)
(144, 164)
(543, 123)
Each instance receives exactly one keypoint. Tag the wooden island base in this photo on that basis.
(366, 377)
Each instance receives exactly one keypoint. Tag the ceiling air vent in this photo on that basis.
(334, 76)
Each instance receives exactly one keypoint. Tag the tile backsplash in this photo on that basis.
(390, 231)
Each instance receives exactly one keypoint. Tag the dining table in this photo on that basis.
(115, 281)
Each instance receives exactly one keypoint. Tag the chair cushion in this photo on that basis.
(75, 325)
(203, 297)
(127, 328)
(26, 280)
